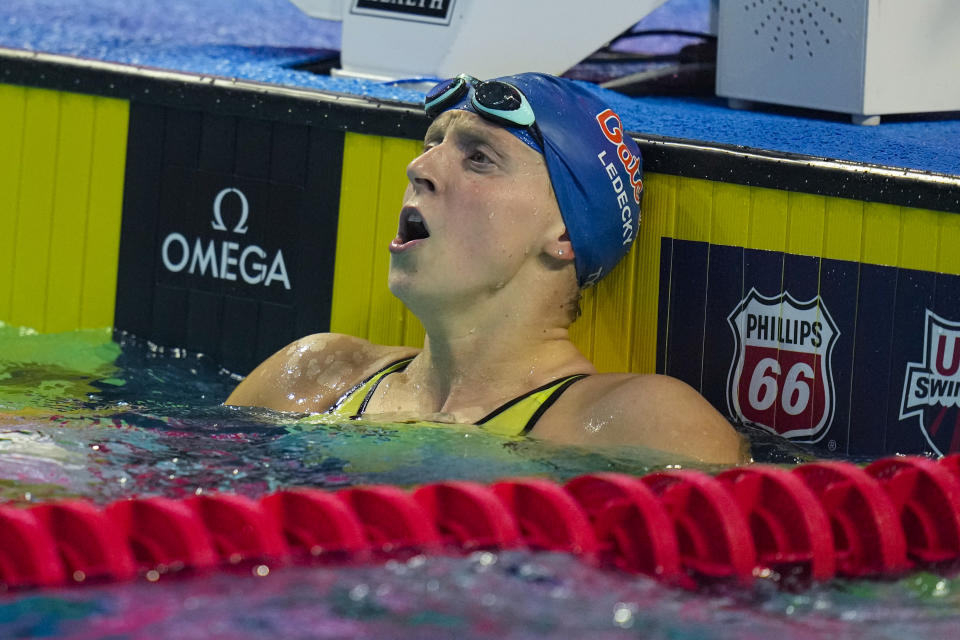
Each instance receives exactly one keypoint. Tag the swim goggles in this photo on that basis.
(495, 100)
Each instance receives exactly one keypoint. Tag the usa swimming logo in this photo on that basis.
(931, 388)
(781, 378)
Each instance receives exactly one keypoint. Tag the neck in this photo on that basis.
(494, 349)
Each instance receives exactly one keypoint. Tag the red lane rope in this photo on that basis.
(712, 531)
(633, 529)
(926, 496)
(682, 527)
(789, 526)
(868, 539)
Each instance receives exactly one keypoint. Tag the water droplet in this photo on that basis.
(359, 592)
(623, 615)
(942, 588)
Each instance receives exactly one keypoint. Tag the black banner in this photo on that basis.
(434, 10)
(857, 359)
(229, 230)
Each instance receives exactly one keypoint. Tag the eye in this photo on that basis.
(479, 157)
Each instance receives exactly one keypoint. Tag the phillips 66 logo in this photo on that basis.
(780, 378)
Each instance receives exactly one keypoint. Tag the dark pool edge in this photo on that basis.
(227, 96)
(800, 173)
(682, 157)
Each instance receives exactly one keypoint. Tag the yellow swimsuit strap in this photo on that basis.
(354, 402)
(513, 418)
(517, 417)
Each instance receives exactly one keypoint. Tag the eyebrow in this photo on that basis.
(466, 133)
(434, 131)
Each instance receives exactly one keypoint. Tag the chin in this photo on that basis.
(418, 295)
(405, 285)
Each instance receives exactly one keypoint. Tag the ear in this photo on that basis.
(559, 248)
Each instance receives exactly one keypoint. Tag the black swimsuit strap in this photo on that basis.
(562, 385)
(366, 398)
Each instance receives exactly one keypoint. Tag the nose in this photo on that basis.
(421, 173)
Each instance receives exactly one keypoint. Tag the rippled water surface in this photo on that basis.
(82, 414)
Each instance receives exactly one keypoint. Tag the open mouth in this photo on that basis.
(412, 226)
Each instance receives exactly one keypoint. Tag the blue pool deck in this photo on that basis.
(262, 40)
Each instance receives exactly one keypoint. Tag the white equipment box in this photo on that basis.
(402, 39)
(863, 57)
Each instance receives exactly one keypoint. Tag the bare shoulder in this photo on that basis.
(312, 373)
(653, 411)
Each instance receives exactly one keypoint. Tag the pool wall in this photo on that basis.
(817, 298)
(61, 191)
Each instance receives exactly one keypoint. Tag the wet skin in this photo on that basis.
(482, 258)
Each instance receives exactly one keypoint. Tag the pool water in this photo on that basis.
(106, 417)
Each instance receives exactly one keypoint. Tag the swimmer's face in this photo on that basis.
(479, 207)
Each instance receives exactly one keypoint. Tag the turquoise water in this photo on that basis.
(83, 414)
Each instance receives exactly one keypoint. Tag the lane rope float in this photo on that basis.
(683, 527)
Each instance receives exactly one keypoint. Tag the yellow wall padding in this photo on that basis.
(948, 247)
(843, 221)
(824, 226)
(371, 194)
(812, 225)
(61, 193)
(618, 326)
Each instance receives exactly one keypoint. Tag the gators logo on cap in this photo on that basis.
(630, 161)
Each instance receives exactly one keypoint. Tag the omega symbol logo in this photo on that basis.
(224, 259)
(217, 222)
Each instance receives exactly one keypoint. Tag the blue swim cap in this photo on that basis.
(595, 168)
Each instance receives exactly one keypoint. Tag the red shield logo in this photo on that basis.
(781, 378)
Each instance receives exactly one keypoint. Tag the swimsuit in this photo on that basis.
(516, 417)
